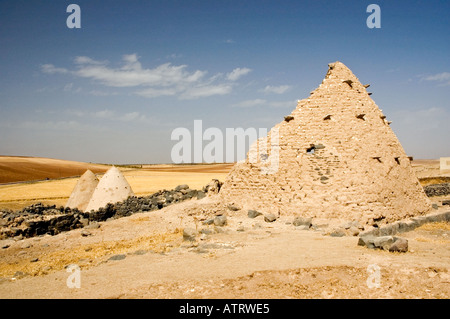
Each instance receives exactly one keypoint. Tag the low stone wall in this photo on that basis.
(41, 219)
(437, 189)
(406, 226)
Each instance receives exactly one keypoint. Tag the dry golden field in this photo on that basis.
(144, 181)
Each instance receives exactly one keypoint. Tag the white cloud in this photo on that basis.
(237, 73)
(438, 77)
(443, 78)
(250, 103)
(52, 125)
(205, 91)
(105, 114)
(276, 89)
(131, 74)
(259, 102)
(51, 69)
(150, 92)
(111, 115)
(101, 93)
(164, 80)
(87, 60)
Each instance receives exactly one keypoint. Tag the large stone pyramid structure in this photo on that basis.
(334, 156)
(83, 190)
(112, 188)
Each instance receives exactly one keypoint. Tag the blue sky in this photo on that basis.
(115, 89)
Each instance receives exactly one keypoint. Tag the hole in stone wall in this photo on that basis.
(397, 160)
(361, 116)
(311, 150)
(349, 82)
(328, 117)
(377, 158)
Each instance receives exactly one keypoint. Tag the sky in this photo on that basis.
(115, 89)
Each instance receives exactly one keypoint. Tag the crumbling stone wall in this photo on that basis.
(337, 158)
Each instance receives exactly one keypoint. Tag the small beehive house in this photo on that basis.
(112, 188)
(83, 190)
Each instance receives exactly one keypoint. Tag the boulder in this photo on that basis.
(180, 187)
(270, 218)
(302, 221)
(399, 245)
(189, 234)
(367, 241)
(220, 220)
(253, 213)
(383, 242)
(337, 232)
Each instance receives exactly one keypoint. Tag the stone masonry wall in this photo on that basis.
(338, 158)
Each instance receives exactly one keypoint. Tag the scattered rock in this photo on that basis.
(302, 221)
(93, 225)
(383, 242)
(353, 231)
(338, 232)
(39, 219)
(201, 194)
(390, 243)
(85, 233)
(270, 218)
(141, 252)
(367, 241)
(206, 231)
(6, 244)
(434, 206)
(240, 229)
(208, 221)
(84, 221)
(303, 227)
(253, 213)
(180, 187)
(189, 234)
(117, 257)
(437, 189)
(25, 245)
(219, 229)
(20, 274)
(220, 220)
(399, 245)
(33, 260)
(233, 208)
(446, 202)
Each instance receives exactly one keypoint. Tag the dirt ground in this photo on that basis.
(145, 255)
(247, 258)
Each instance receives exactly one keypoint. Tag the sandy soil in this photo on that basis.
(247, 258)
